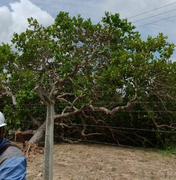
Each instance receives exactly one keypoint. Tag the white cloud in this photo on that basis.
(6, 23)
(16, 20)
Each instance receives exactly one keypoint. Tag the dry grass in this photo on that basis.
(99, 162)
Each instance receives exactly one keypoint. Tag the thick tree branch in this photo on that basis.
(47, 101)
(7, 92)
(35, 121)
(116, 109)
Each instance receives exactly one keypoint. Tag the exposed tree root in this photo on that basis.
(32, 149)
(27, 147)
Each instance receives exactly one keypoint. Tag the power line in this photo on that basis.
(157, 21)
(153, 16)
(151, 10)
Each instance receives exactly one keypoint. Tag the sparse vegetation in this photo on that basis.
(105, 162)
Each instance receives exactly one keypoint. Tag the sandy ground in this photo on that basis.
(100, 162)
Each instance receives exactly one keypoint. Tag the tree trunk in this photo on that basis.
(39, 134)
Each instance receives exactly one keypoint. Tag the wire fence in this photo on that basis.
(75, 139)
(124, 128)
(101, 126)
(139, 129)
(112, 144)
(95, 141)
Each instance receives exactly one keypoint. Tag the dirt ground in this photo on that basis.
(100, 162)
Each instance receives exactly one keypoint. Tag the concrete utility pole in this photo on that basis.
(48, 167)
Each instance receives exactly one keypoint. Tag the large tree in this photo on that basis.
(89, 71)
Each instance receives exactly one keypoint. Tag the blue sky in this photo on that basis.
(161, 18)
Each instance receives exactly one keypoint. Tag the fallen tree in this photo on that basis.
(90, 72)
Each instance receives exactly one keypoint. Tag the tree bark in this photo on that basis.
(39, 134)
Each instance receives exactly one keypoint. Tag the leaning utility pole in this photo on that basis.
(48, 164)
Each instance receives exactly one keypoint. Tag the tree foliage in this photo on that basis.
(101, 74)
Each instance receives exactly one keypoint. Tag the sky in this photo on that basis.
(149, 16)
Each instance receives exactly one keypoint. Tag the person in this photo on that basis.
(12, 161)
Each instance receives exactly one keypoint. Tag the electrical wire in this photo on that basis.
(152, 10)
(156, 21)
(153, 16)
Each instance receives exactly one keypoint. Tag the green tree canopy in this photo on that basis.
(90, 71)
